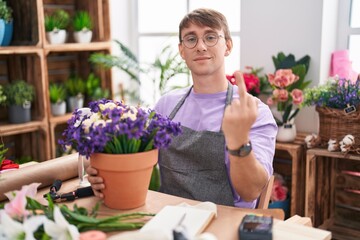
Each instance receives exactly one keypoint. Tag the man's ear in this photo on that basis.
(229, 46)
(181, 50)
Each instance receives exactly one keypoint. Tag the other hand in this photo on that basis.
(97, 183)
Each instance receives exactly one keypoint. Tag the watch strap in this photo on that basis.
(243, 151)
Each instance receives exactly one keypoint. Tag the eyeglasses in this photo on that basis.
(210, 40)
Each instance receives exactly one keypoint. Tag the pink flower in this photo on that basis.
(282, 78)
(297, 96)
(16, 208)
(281, 95)
(270, 101)
(279, 191)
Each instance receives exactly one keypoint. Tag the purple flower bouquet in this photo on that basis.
(112, 127)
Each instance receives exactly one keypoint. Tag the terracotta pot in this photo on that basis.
(126, 177)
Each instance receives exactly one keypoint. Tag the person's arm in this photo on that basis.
(247, 174)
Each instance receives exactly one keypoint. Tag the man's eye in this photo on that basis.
(210, 37)
(191, 39)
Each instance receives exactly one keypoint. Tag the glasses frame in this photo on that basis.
(203, 39)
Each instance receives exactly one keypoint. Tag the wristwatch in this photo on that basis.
(243, 151)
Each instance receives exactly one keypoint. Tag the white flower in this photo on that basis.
(108, 105)
(85, 112)
(13, 229)
(60, 229)
(131, 113)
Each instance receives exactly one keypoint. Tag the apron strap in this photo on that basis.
(229, 97)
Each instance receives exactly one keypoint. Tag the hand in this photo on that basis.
(239, 116)
(97, 183)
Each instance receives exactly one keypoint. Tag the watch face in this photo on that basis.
(245, 150)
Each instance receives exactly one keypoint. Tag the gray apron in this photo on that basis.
(194, 164)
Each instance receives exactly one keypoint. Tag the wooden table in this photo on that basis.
(321, 173)
(296, 151)
(226, 224)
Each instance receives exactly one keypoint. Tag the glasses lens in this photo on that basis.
(210, 39)
(190, 41)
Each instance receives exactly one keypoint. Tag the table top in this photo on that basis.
(224, 226)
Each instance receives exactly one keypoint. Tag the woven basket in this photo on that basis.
(336, 124)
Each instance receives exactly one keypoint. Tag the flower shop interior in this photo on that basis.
(300, 57)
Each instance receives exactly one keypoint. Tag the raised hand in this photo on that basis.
(239, 116)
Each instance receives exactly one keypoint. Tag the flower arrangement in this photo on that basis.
(112, 127)
(288, 84)
(23, 217)
(337, 93)
(279, 191)
(254, 82)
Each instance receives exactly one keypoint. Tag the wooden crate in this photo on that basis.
(26, 145)
(25, 13)
(25, 67)
(329, 202)
(98, 10)
(62, 65)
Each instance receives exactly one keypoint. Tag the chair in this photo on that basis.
(264, 198)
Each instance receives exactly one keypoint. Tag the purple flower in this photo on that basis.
(115, 128)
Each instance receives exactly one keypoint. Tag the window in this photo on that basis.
(349, 30)
(158, 22)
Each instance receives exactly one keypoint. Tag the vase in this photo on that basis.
(56, 36)
(286, 133)
(58, 109)
(126, 177)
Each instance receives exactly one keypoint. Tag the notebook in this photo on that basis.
(193, 219)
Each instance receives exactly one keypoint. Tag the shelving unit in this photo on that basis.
(32, 58)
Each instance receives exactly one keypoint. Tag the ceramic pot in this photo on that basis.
(8, 33)
(56, 36)
(20, 113)
(83, 36)
(58, 109)
(2, 30)
(126, 176)
(286, 133)
(75, 102)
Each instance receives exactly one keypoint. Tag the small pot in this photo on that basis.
(20, 113)
(8, 33)
(286, 133)
(56, 36)
(83, 36)
(75, 102)
(58, 109)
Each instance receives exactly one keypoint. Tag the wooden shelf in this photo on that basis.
(21, 50)
(71, 47)
(11, 129)
(60, 119)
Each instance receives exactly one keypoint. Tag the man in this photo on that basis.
(225, 152)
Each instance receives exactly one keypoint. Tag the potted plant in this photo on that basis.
(94, 90)
(75, 88)
(122, 142)
(57, 94)
(6, 24)
(338, 105)
(287, 84)
(19, 95)
(82, 25)
(55, 26)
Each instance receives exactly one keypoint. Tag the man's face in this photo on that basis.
(202, 59)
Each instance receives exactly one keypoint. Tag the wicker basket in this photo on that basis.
(336, 124)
